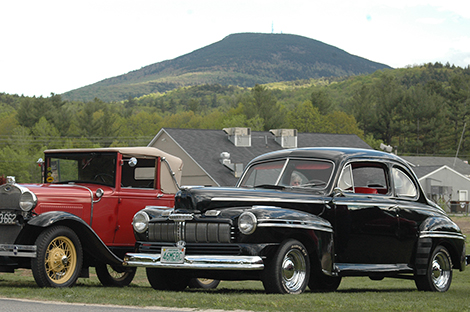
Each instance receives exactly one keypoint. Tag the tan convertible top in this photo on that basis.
(166, 180)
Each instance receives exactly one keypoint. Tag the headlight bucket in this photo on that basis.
(247, 223)
(28, 201)
(140, 222)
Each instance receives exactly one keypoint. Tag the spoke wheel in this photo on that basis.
(112, 276)
(59, 258)
(288, 271)
(439, 272)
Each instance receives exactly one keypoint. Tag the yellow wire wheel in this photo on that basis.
(61, 260)
(59, 257)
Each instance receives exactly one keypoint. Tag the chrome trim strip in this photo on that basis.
(25, 251)
(294, 224)
(441, 234)
(269, 199)
(209, 262)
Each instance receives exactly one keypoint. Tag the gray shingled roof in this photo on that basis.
(205, 147)
(436, 162)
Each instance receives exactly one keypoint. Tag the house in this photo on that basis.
(446, 180)
(218, 157)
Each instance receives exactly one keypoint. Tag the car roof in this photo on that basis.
(166, 177)
(337, 154)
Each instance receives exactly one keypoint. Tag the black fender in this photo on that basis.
(318, 230)
(91, 242)
(440, 230)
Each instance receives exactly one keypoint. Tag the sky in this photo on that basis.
(54, 46)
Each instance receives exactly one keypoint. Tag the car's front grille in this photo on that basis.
(191, 232)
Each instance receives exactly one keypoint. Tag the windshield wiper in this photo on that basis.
(311, 184)
(270, 186)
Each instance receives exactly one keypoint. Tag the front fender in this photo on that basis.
(318, 231)
(90, 241)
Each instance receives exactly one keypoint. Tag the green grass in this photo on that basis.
(354, 294)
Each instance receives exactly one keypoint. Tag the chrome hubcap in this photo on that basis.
(293, 270)
(441, 270)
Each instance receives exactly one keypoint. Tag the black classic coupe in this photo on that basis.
(303, 217)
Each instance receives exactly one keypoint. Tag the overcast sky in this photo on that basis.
(57, 46)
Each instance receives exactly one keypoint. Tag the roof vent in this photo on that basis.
(240, 137)
(237, 169)
(287, 138)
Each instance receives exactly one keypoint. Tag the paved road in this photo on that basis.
(20, 305)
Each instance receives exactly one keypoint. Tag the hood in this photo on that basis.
(52, 197)
(202, 199)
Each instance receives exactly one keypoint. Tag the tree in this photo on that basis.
(265, 106)
(321, 100)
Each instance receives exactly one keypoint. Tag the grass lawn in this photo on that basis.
(354, 294)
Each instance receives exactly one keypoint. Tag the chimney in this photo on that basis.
(287, 138)
(240, 137)
(237, 169)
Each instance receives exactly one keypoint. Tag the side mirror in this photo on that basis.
(132, 162)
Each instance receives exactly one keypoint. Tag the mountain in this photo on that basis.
(243, 59)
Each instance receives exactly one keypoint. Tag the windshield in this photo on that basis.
(97, 168)
(290, 173)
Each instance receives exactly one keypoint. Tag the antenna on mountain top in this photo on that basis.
(272, 27)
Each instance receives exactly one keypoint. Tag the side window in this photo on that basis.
(404, 186)
(346, 180)
(140, 176)
(364, 178)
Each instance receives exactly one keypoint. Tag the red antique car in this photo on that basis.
(81, 216)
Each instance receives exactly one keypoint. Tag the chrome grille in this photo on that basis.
(192, 232)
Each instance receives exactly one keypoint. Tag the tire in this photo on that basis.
(59, 258)
(288, 271)
(438, 275)
(203, 283)
(323, 283)
(161, 279)
(111, 276)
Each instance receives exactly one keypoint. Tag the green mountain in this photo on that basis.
(242, 59)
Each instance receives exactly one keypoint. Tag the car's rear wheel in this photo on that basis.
(288, 271)
(204, 283)
(161, 279)
(59, 258)
(438, 275)
(114, 276)
(321, 282)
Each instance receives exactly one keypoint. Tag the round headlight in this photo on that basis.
(247, 223)
(28, 201)
(140, 222)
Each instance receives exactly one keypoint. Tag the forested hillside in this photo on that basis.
(419, 110)
(240, 60)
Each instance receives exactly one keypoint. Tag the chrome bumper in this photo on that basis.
(196, 262)
(26, 251)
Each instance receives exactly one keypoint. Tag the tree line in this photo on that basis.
(418, 110)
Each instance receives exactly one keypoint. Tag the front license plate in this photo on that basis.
(7, 218)
(172, 254)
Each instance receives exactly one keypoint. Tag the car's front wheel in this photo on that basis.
(438, 275)
(59, 258)
(114, 276)
(289, 270)
(165, 279)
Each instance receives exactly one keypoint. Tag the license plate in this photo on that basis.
(7, 218)
(172, 254)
